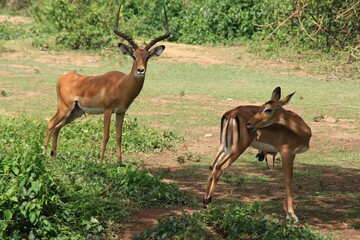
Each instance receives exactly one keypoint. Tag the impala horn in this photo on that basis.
(162, 37)
(121, 34)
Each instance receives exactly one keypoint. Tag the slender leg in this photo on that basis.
(119, 125)
(75, 113)
(58, 117)
(288, 163)
(266, 160)
(107, 118)
(273, 161)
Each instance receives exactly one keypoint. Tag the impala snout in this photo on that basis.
(140, 72)
(250, 127)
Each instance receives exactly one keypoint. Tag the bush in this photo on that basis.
(10, 32)
(89, 25)
(73, 196)
(312, 24)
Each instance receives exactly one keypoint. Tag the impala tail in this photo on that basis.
(229, 138)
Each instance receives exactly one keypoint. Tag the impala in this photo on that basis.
(263, 155)
(106, 94)
(269, 128)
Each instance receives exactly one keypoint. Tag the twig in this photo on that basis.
(282, 23)
(303, 28)
(348, 10)
(266, 25)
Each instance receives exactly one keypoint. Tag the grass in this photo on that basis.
(189, 99)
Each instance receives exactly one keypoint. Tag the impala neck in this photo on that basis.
(134, 82)
(295, 123)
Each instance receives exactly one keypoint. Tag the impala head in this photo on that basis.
(269, 112)
(140, 55)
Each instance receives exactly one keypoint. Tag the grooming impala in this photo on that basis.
(269, 128)
(106, 94)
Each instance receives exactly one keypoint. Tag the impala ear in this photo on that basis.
(276, 94)
(156, 51)
(126, 50)
(286, 99)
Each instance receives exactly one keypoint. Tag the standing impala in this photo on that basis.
(269, 128)
(106, 94)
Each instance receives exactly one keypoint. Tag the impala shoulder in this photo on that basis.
(70, 76)
(117, 74)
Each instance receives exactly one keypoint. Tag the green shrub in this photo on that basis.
(10, 32)
(30, 199)
(310, 24)
(73, 196)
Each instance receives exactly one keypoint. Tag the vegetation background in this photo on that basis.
(75, 197)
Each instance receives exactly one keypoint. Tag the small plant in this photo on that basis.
(182, 93)
(3, 93)
(180, 159)
(318, 118)
(188, 157)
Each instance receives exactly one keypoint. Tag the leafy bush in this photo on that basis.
(9, 31)
(30, 199)
(238, 221)
(73, 196)
(312, 24)
(89, 25)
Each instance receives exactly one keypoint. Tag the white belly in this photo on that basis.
(266, 147)
(92, 110)
(100, 110)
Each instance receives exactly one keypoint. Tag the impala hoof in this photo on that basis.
(206, 202)
(293, 218)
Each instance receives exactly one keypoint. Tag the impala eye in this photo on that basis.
(268, 110)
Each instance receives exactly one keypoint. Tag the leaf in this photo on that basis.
(94, 220)
(32, 217)
(35, 186)
(14, 199)
(15, 170)
(8, 214)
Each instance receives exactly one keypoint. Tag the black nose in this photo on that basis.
(248, 126)
(141, 70)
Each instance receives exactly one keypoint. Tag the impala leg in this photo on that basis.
(119, 125)
(266, 160)
(74, 114)
(274, 161)
(107, 118)
(214, 174)
(55, 120)
(288, 163)
(235, 140)
(219, 155)
(58, 117)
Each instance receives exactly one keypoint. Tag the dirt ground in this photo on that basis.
(333, 217)
(334, 222)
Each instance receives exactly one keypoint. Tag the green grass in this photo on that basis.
(189, 99)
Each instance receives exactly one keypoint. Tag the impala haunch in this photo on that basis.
(269, 128)
(106, 94)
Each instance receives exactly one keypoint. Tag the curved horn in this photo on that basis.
(162, 37)
(121, 34)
